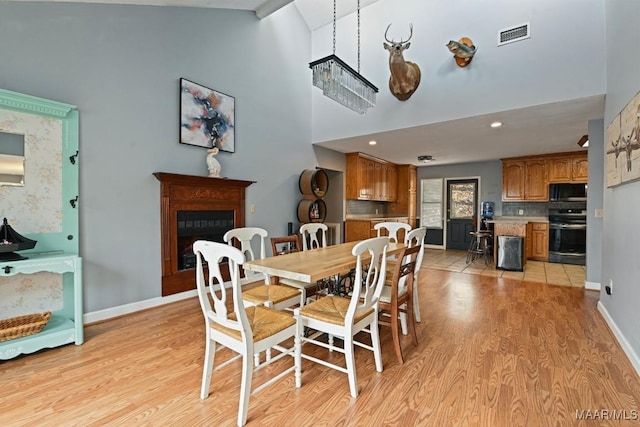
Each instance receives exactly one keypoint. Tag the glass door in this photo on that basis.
(462, 205)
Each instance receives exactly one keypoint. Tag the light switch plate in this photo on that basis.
(598, 213)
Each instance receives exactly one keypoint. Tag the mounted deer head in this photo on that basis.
(405, 75)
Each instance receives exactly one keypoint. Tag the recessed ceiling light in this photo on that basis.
(496, 124)
(372, 142)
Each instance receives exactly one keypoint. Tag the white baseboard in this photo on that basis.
(108, 313)
(434, 246)
(626, 347)
(592, 286)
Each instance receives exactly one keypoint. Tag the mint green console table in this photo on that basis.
(65, 325)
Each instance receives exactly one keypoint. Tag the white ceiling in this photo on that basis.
(540, 129)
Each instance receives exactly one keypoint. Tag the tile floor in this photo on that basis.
(534, 271)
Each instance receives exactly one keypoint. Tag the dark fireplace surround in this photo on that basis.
(192, 208)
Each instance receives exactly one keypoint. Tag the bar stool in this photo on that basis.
(480, 246)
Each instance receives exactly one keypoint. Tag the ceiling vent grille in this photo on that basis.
(514, 34)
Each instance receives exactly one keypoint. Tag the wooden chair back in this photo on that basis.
(285, 245)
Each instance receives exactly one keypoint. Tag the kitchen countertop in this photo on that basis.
(517, 219)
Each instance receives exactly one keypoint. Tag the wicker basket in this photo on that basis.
(22, 326)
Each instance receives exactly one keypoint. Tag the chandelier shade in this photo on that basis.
(343, 84)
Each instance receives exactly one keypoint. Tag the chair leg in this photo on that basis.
(411, 320)
(416, 302)
(330, 342)
(351, 365)
(403, 323)
(297, 355)
(396, 333)
(207, 370)
(245, 387)
(375, 343)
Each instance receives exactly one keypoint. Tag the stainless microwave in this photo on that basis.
(568, 192)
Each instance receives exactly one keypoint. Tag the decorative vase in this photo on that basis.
(212, 163)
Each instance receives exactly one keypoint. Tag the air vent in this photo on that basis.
(514, 34)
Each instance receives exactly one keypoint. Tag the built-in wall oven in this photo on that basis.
(568, 236)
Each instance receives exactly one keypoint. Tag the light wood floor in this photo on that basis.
(534, 271)
(492, 352)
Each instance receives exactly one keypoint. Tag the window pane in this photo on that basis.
(432, 203)
(462, 201)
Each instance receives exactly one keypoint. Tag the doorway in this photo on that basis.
(462, 208)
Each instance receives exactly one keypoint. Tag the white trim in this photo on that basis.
(592, 286)
(108, 313)
(434, 246)
(626, 347)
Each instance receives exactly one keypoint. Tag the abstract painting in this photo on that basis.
(623, 145)
(207, 117)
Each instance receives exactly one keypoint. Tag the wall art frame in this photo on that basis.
(207, 117)
(623, 145)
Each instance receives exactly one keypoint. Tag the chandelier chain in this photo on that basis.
(334, 26)
(358, 36)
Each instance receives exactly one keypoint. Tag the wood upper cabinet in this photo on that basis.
(569, 168)
(536, 186)
(368, 178)
(580, 169)
(528, 178)
(513, 173)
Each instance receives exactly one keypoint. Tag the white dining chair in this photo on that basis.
(344, 317)
(274, 296)
(309, 234)
(392, 229)
(244, 330)
(279, 297)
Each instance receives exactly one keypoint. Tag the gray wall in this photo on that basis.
(555, 64)
(121, 66)
(621, 234)
(490, 174)
(594, 201)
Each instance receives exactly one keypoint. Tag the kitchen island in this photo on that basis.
(533, 230)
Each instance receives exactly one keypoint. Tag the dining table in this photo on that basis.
(315, 264)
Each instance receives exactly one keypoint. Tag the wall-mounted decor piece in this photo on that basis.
(207, 117)
(463, 51)
(405, 75)
(623, 145)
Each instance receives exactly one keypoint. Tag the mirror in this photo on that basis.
(11, 159)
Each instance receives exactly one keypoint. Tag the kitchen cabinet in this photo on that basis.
(406, 203)
(536, 186)
(513, 173)
(539, 238)
(360, 229)
(569, 168)
(528, 178)
(368, 178)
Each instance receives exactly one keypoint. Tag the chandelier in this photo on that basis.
(339, 81)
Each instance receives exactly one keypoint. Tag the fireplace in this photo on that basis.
(193, 208)
(199, 225)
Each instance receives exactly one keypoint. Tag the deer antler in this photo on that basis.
(385, 34)
(410, 34)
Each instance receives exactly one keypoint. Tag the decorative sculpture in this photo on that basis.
(463, 51)
(405, 75)
(212, 163)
